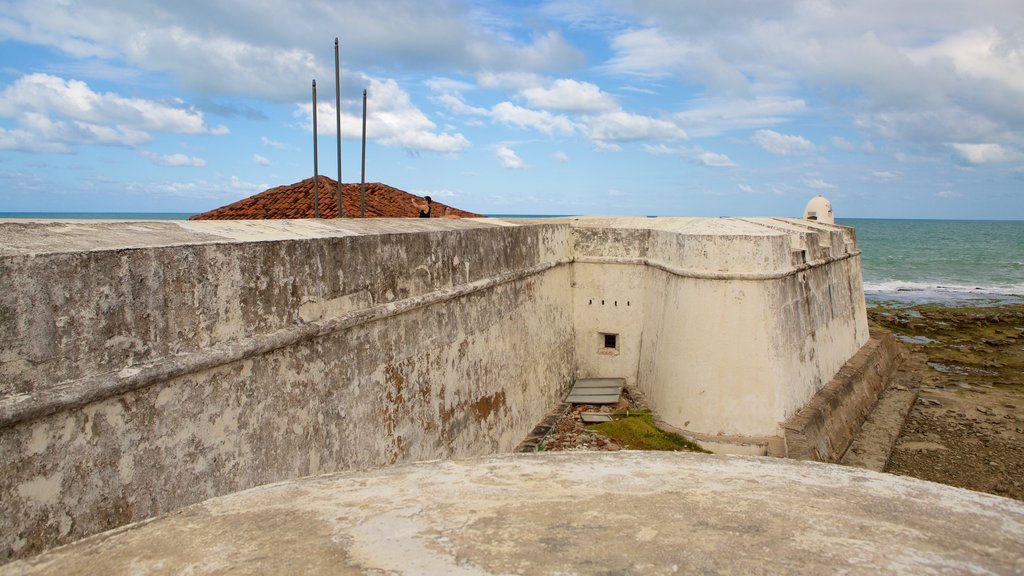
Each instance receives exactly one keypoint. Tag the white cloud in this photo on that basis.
(695, 154)
(40, 133)
(560, 157)
(73, 99)
(570, 96)
(509, 158)
(987, 153)
(221, 190)
(457, 105)
(948, 194)
(745, 188)
(782, 144)
(622, 126)
(539, 120)
(927, 77)
(261, 160)
(819, 184)
(393, 120)
(651, 52)
(55, 114)
(710, 116)
(174, 160)
(257, 49)
(272, 143)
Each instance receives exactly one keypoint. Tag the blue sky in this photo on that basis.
(910, 109)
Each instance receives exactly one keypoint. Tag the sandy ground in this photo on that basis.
(966, 428)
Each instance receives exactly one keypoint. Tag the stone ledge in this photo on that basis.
(823, 429)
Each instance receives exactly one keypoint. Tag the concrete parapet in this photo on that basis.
(572, 513)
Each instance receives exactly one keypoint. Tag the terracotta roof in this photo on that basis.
(296, 201)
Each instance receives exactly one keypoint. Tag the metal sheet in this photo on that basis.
(596, 391)
(599, 383)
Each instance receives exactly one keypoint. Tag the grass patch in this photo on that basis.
(638, 432)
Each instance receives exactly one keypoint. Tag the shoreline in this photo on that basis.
(966, 428)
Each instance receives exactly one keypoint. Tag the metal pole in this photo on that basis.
(362, 178)
(337, 111)
(316, 169)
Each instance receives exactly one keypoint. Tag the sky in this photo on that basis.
(891, 109)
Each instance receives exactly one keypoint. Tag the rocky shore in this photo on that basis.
(966, 428)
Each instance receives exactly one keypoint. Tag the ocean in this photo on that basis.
(950, 262)
(905, 262)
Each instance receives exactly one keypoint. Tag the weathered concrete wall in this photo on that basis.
(609, 299)
(824, 428)
(148, 365)
(140, 380)
(731, 326)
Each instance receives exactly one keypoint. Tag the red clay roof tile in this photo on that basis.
(296, 201)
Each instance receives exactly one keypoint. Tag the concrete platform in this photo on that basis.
(571, 513)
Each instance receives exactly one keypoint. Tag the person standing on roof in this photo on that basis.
(425, 206)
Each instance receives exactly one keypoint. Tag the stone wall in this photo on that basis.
(145, 366)
(138, 380)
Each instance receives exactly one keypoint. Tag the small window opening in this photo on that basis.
(602, 302)
(611, 340)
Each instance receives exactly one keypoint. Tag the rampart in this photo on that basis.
(145, 366)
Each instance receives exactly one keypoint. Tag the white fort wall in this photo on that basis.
(145, 366)
(728, 326)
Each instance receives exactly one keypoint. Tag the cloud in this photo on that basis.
(173, 160)
(55, 114)
(622, 126)
(650, 52)
(695, 154)
(710, 116)
(509, 158)
(260, 49)
(272, 143)
(987, 153)
(560, 157)
(539, 120)
(948, 194)
(745, 188)
(782, 144)
(819, 184)
(261, 160)
(927, 78)
(392, 120)
(570, 96)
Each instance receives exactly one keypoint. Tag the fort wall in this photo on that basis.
(145, 366)
(140, 379)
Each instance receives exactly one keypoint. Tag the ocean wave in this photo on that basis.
(893, 286)
(906, 293)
